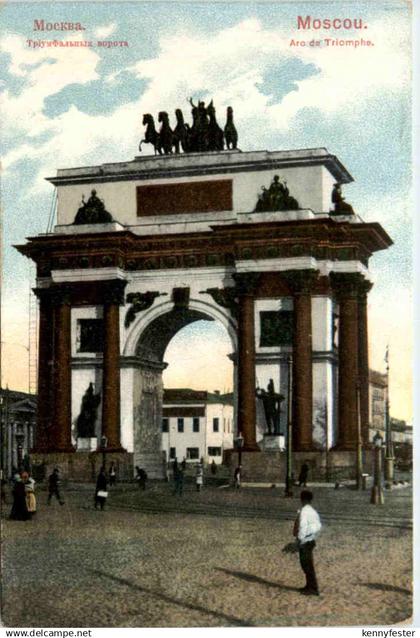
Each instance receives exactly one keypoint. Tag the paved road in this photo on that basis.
(209, 559)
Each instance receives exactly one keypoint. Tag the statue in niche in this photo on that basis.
(341, 207)
(93, 211)
(271, 403)
(276, 197)
(85, 423)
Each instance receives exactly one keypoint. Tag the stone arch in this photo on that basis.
(145, 348)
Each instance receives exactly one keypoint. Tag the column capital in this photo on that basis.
(246, 282)
(301, 281)
(114, 292)
(347, 284)
(364, 287)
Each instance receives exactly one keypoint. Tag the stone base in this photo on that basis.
(87, 444)
(80, 466)
(272, 442)
(269, 466)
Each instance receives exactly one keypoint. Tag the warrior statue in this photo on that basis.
(271, 404)
(85, 423)
(215, 133)
(341, 207)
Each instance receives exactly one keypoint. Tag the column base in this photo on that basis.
(251, 447)
(109, 450)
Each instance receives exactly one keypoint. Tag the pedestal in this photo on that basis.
(273, 442)
(88, 444)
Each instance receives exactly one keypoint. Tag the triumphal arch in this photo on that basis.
(263, 242)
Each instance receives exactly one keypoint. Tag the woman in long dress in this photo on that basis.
(19, 510)
(29, 493)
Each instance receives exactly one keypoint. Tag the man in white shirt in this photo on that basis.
(306, 529)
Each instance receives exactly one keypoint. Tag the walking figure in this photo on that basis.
(101, 492)
(53, 487)
(306, 528)
(179, 479)
(141, 477)
(199, 477)
(303, 475)
(112, 474)
(237, 477)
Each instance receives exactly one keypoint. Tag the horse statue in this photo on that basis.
(199, 130)
(151, 136)
(166, 134)
(181, 132)
(215, 133)
(231, 134)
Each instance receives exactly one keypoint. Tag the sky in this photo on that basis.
(71, 106)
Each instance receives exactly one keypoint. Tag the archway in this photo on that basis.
(156, 332)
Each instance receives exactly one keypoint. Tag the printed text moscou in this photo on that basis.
(309, 22)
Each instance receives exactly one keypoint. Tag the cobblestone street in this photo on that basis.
(204, 559)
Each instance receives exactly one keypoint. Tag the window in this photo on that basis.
(196, 424)
(214, 451)
(180, 424)
(276, 328)
(90, 335)
(165, 425)
(216, 424)
(193, 452)
(172, 453)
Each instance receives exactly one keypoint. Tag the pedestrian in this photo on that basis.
(184, 464)
(237, 477)
(199, 477)
(306, 528)
(303, 475)
(29, 493)
(53, 487)
(101, 492)
(213, 468)
(19, 511)
(179, 480)
(141, 477)
(112, 474)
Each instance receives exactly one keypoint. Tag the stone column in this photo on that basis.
(346, 288)
(364, 288)
(45, 356)
(245, 288)
(301, 283)
(111, 369)
(61, 428)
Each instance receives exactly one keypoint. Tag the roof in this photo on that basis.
(187, 164)
(378, 378)
(187, 395)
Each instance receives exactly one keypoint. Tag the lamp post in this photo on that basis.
(288, 492)
(359, 460)
(239, 445)
(104, 443)
(389, 449)
(377, 497)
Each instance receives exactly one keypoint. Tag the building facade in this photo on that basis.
(249, 239)
(197, 425)
(18, 425)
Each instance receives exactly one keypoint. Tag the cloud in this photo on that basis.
(105, 31)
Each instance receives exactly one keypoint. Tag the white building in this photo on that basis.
(196, 425)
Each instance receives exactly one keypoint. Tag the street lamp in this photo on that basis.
(239, 444)
(288, 492)
(104, 443)
(359, 460)
(389, 451)
(377, 497)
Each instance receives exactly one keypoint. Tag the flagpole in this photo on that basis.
(389, 451)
